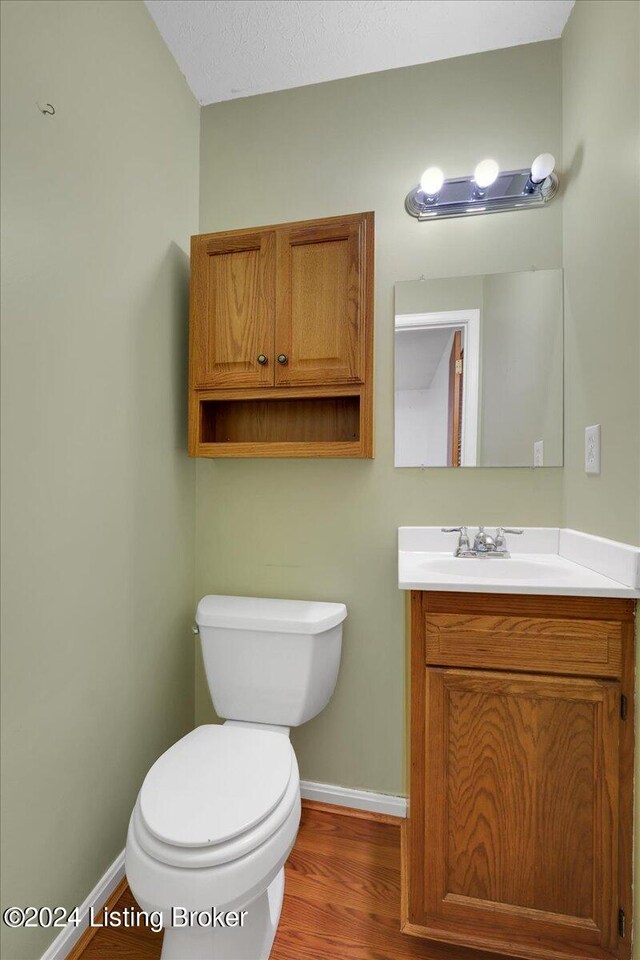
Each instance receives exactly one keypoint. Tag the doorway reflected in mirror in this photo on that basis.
(478, 371)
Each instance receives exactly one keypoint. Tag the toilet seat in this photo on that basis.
(216, 795)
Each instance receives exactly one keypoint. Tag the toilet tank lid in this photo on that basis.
(270, 616)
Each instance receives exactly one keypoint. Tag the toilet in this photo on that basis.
(218, 813)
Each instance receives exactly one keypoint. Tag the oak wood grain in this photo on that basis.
(627, 754)
(304, 291)
(320, 315)
(521, 805)
(232, 309)
(519, 835)
(118, 895)
(521, 605)
(296, 420)
(369, 816)
(280, 393)
(282, 449)
(541, 644)
(521, 793)
(120, 943)
(454, 406)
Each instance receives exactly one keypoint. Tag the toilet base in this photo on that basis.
(252, 941)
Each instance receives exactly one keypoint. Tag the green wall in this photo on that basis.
(327, 529)
(601, 211)
(105, 558)
(601, 208)
(98, 205)
(521, 349)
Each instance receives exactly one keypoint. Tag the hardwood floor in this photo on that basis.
(342, 898)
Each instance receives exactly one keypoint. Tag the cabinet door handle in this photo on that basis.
(282, 358)
(262, 359)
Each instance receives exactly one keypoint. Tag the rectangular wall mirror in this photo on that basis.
(479, 371)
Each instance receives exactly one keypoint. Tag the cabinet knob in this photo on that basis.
(262, 359)
(282, 358)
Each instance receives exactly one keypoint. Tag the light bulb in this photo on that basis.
(431, 181)
(542, 167)
(486, 173)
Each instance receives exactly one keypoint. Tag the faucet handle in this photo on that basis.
(501, 540)
(463, 542)
(463, 531)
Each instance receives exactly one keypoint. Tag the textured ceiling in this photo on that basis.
(237, 48)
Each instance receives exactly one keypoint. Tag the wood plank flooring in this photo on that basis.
(342, 899)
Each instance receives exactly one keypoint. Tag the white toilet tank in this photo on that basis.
(270, 661)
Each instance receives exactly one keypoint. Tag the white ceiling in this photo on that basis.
(237, 48)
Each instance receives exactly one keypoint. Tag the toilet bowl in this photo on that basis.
(218, 813)
(212, 827)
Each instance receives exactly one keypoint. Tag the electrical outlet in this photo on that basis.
(592, 449)
(538, 453)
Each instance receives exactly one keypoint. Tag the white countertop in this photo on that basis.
(544, 560)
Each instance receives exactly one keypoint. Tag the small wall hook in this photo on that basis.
(50, 112)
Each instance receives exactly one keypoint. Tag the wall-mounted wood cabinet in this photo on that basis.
(281, 340)
(518, 841)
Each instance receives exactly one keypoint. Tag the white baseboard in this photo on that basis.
(359, 799)
(69, 935)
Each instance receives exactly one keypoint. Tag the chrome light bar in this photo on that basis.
(461, 196)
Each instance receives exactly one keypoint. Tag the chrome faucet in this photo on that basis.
(464, 548)
(484, 545)
(501, 540)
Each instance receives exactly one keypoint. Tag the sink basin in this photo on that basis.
(544, 560)
(513, 568)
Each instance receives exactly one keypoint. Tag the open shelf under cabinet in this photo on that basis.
(302, 426)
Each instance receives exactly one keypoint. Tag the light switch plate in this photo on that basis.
(592, 449)
(538, 453)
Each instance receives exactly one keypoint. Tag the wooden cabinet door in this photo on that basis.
(521, 810)
(321, 301)
(233, 309)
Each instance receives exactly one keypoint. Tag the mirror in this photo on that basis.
(478, 371)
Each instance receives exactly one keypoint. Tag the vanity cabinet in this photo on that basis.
(518, 841)
(281, 340)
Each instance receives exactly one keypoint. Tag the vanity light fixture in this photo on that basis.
(489, 190)
(541, 168)
(431, 183)
(484, 175)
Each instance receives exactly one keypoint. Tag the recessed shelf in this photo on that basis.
(299, 420)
